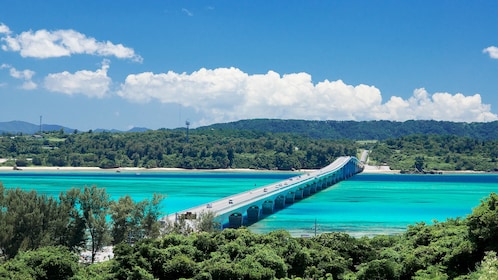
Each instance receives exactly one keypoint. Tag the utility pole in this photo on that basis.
(188, 124)
(40, 125)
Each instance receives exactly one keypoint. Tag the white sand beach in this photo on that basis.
(378, 169)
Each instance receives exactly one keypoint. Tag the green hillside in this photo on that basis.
(363, 130)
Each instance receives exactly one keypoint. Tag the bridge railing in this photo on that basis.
(231, 203)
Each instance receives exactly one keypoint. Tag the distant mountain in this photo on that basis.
(16, 127)
(354, 130)
(363, 130)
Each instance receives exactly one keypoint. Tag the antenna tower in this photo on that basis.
(187, 123)
(40, 125)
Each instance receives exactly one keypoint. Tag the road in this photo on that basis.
(226, 204)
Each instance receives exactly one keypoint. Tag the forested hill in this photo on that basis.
(364, 130)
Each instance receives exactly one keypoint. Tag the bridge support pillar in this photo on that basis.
(290, 197)
(313, 188)
(299, 193)
(235, 220)
(306, 191)
(253, 214)
(280, 202)
(328, 182)
(267, 207)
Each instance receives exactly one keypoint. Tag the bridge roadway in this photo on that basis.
(248, 207)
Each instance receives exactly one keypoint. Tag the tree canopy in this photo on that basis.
(78, 220)
(461, 248)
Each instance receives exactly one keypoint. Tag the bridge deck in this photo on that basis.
(228, 204)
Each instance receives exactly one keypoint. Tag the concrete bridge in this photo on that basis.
(250, 206)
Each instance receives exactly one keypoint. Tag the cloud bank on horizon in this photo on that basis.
(230, 94)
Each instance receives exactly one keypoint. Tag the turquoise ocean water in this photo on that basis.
(366, 204)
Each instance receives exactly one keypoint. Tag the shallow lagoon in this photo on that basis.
(366, 204)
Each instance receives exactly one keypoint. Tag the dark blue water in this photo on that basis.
(366, 204)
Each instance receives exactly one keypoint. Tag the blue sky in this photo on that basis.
(123, 64)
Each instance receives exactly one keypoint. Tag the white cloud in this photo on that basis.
(91, 84)
(4, 29)
(25, 75)
(441, 106)
(492, 51)
(47, 44)
(187, 12)
(29, 85)
(228, 94)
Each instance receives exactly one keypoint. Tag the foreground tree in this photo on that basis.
(483, 224)
(44, 263)
(207, 223)
(133, 221)
(26, 221)
(95, 203)
(71, 232)
(29, 221)
(124, 220)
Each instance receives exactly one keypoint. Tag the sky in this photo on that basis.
(158, 64)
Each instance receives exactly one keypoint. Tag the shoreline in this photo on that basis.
(140, 169)
(369, 169)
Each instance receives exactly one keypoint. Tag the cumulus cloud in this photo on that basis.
(440, 106)
(47, 44)
(4, 29)
(492, 51)
(89, 83)
(25, 75)
(229, 94)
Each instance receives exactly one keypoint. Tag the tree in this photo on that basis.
(378, 270)
(133, 221)
(123, 222)
(24, 221)
(151, 225)
(488, 268)
(419, 164)
(95, 203)
(207, 223)
(71, 231)
(483, 224)
(45, 263)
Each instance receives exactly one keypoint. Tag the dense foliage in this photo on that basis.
(454, 249)
(265, 144)
(78, 220)
(436, 152)
(337, 130)
(170, 148)
(363, 130)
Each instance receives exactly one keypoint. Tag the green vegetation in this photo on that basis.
(285, 145)
(454, 249)
(206, 149)
(40, 236)
(436, 152)
(77, 220)
(363, 130)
